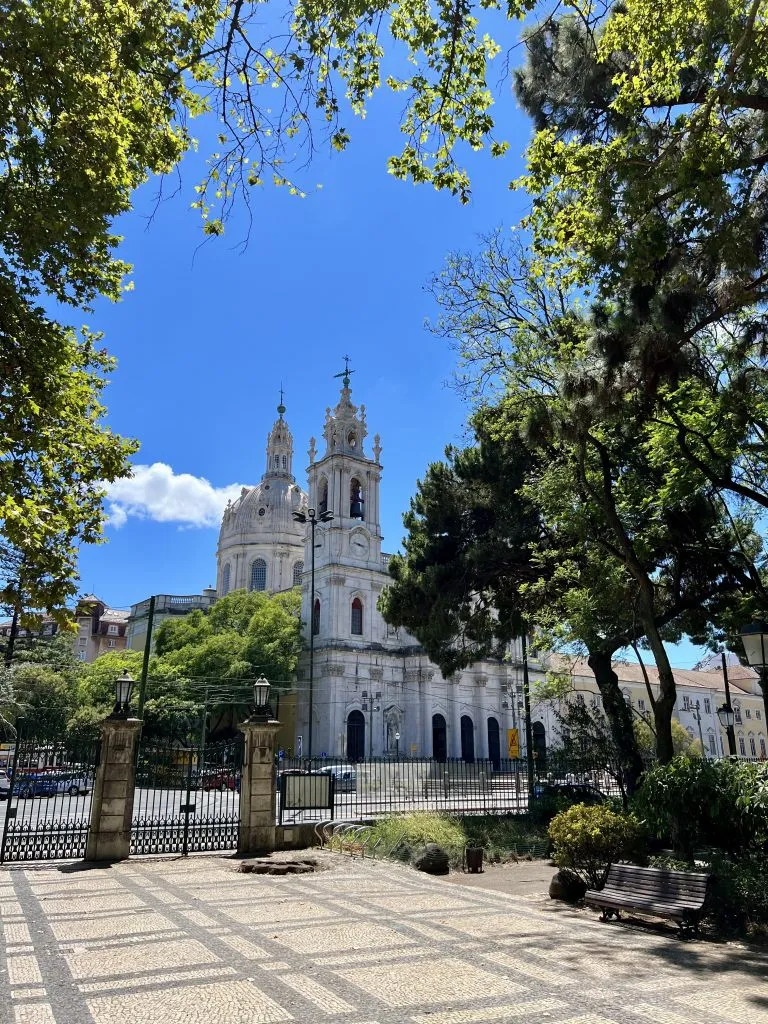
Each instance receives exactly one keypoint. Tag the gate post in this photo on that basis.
(109, 837)
(258, 787)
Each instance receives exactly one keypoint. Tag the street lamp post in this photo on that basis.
(755, 640)
(311, 517)
(697, 716)
(397, 746)
(725, 713)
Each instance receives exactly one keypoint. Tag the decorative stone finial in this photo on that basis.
(312, 450)
(377, 447)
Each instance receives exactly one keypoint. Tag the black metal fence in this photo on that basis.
(375, 788)
(187, 800)
(48, 810)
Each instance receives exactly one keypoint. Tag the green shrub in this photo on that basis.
(589, 839)
(693, 802)
(405, 832)
(738, 897)
(505, 836)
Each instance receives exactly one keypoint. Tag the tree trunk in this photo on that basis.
(665, 702)
(10, 645)
(619, 717)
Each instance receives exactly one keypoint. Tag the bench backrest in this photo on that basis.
(662, 883)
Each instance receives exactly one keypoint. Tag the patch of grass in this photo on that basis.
(503, 837)
(411, 832)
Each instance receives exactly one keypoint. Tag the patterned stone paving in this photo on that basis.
(194, 942)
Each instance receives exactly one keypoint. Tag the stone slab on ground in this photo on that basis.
(193, 941)
(516, 878)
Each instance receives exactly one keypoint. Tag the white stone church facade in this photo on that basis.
(374, 690)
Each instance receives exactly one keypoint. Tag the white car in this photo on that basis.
(5, 785)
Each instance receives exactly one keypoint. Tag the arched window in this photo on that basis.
(225, 578)
(357, 617)
(285, 462)
(316, 617)
(742, 747)
(277, 462)
(356, 502)
(752, 747)
(259, 574)
(322, 495)
(467, 739)
(762, 746)
(298, 571)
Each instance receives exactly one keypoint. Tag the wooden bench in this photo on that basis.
(679, 895)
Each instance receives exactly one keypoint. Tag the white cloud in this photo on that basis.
(155, 492)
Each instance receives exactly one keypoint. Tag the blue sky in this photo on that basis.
(210, 331)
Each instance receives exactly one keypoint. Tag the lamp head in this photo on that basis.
(299, 516)
(755, 640)
(727, 716)
(261, 690)
(123, 689)
(326, 517)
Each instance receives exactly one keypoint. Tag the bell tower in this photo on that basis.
(345, 481)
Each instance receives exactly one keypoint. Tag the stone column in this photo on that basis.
(109, 836)
(258, 787)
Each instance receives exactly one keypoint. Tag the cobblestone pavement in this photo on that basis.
(194, 942)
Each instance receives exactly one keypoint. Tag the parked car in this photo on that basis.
(220, 778)
(74, 782)
(344, 775)
(5, 785)
(35, 784)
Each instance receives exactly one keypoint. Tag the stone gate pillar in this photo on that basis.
(258, 787)
(109, 836)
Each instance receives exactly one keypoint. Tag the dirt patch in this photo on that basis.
(523, 878)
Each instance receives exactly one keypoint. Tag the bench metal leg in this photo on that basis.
(608, 912)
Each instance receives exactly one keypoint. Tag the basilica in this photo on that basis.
(371, 690)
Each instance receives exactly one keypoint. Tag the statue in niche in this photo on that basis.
(393, 727)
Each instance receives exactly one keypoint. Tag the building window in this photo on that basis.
(277, 462)
(752, 746)
(316, 617)
(112, 630)
(707, 706)
(81, 655)
(686, 703)
(737, 713)
(757, 714)
(762, 746)
(742, 747)
(259, 574)
(357, 617)
(712, 746)
(298, 571)
(225, 579)
(627, 698)
(640, 704)
(322, 501)
(83, 641)
(285, 461)
(355, 499)
(112, 643)
(748, 712)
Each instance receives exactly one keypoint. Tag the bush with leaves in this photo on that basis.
(590, 839)
(695, 802)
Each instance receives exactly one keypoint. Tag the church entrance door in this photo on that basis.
(494, 748)
(355, 736)
(539, 741)
(439, 742)
(467, 739)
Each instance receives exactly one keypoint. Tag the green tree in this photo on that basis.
(682, 741)
(670, 557)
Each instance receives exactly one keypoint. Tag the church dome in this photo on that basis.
(261, 546)
(263, 511)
